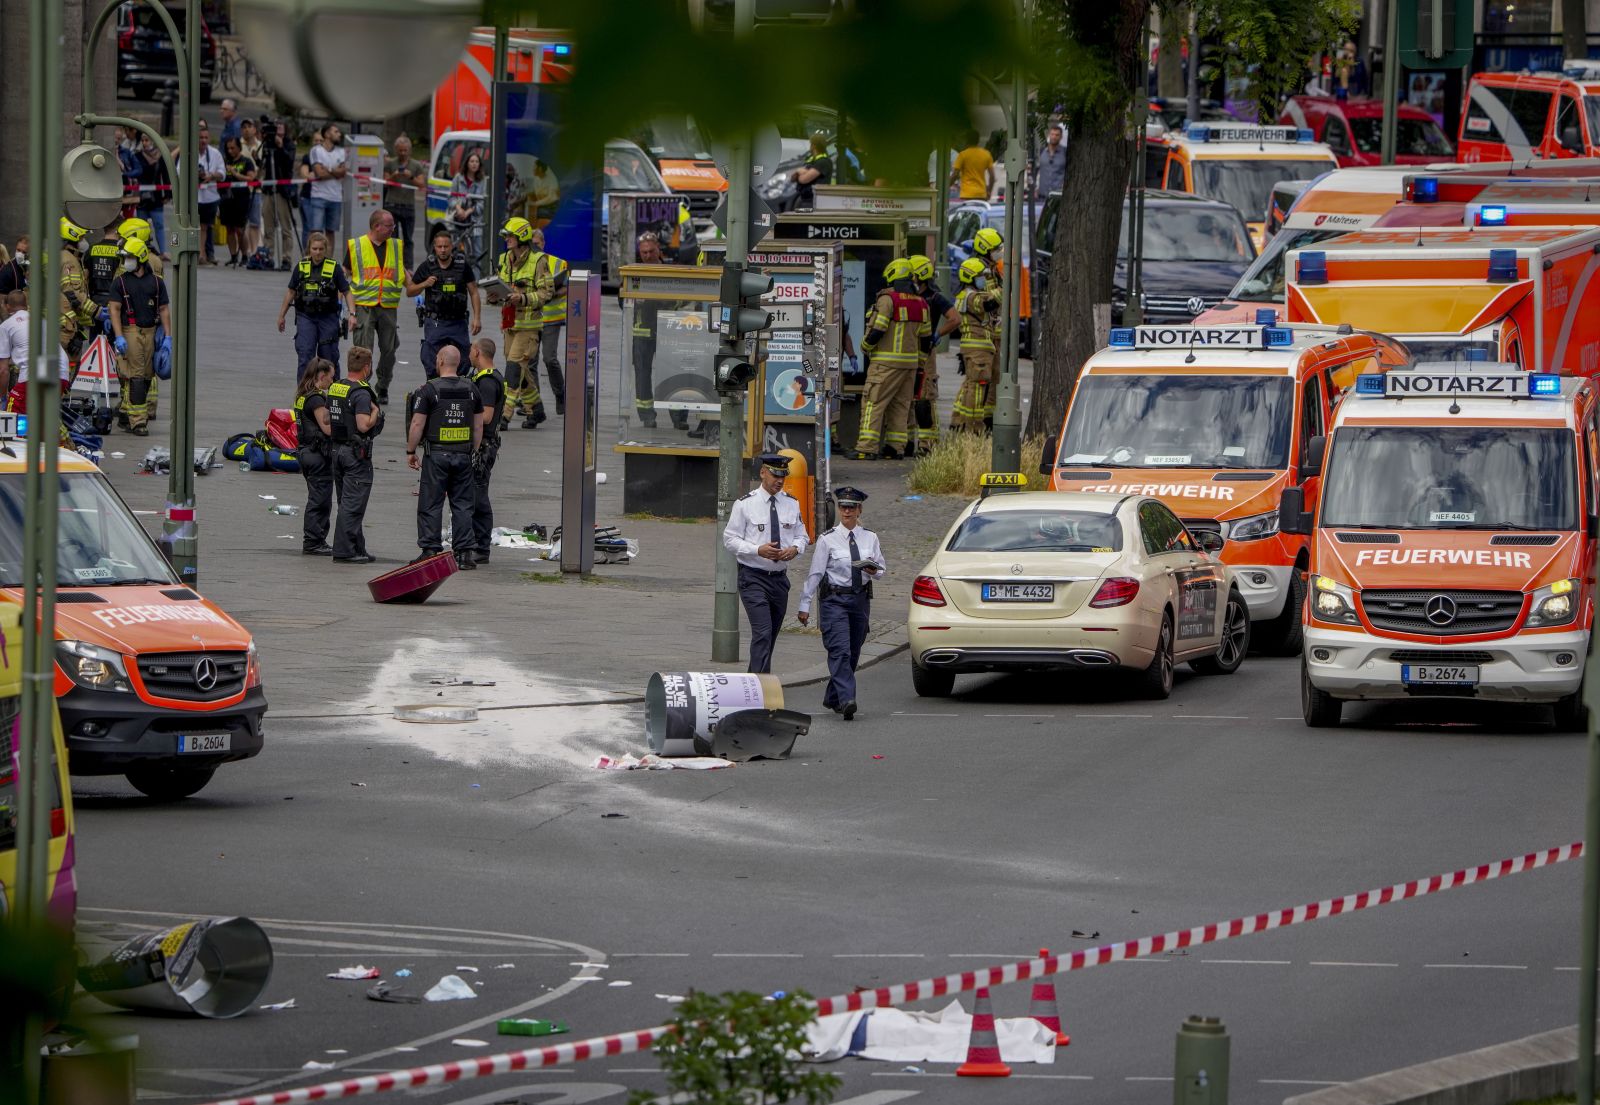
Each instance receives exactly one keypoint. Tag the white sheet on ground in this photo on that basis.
(911, 1036)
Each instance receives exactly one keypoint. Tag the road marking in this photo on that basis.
(633, 1070)
(879, 1097)
(1337, 963)
(1479, 966)
(1252, 962)
(951, 1074)
(1019, 715)
(1147, 1078)
(650, 955)
(898, 713)
(1113, 715)
(757, 955)
(879, 955)
(1288, 719)
(987, 955)
(1213, 717)
(1296, 1082)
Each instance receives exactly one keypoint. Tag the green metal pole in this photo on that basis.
(730, 442)
(1590, 951)
(501, 44)
(181, 528)
(1391, 80)
(1007, 441)
(941, 220)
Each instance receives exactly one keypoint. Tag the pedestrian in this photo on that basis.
(764, 533)
(899, 322)
(355, 417)
(522, 270)
(139, 307)
(978, 306)
(251, 144)
(155, 188)
(816, 169)
(469, 192)
(646, 317)
(846, 560)
(278, 205)
(14, 347)
(210, 171)
(403, 178)
(14, 273)
(923, 424)
(1051, 173)
(302, 173)
(128, 158)
(450, 308)
(553, 316)
(973, 172)
(240, 173)
(447, 423)
(372, 263)
(231, 124)
(316, 288)
(315, 452)
(492, 392)
(327, 173)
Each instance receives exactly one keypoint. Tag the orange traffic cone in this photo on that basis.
(983, 1049)
(1043, 1008)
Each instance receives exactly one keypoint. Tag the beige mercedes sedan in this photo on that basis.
(1055, 581)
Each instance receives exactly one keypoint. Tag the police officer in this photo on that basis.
(492, 392)
(315, 453)
(923, 424)
(449, 289)
(764, 533)
(846, 560)
(523, 271)
(138, 306)
(447, 420)
(554, 317)
(102, 264)
(355, 417)
(899, 336)
(316, 285)
(978, 307)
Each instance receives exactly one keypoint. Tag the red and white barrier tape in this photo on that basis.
(223, 185)
(629, 1042)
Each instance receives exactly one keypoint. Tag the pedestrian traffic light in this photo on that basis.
(740, 300)
(734, 373)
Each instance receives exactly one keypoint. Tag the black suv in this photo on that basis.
(145, 58)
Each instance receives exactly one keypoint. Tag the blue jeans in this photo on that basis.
(324, 215)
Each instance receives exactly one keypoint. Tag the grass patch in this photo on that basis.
(646, 516)
(953, 466)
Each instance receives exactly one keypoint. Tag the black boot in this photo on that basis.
(558, 387)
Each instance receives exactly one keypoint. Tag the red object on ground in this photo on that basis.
(282, 430)
(1043, 1007)
(414, 582)
(983, 1047)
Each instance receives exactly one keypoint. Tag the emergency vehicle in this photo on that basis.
(1453, 547)
(153, 680)
(1520, 115)
(464, 99)
(1239, 164)
(1525, 295)
(1215, 421)
(1535, 203)
(1353, 130)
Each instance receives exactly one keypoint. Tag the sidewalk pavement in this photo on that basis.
(324, 640)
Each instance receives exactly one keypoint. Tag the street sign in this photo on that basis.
(1434, 34)
(788, 316)
(842, 232)
(761, 217)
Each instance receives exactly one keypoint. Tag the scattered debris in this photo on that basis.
(621, 815)
(268, 498)
(450, 988)
(435, 713)
(652, 762)
(356, 972)
(385, 991)
(472, 970)
(913, 498)
(877, 756)
(279, 1006)
(1079, 934)
(454, 682)
(530, 1026)
(619, 982)
(312, 1064)
(672, 999)
(505, 966)
(358, 784)
(911, 1070)
(463, 1042)
(403, 972)
(336, 1051)
(118, 456)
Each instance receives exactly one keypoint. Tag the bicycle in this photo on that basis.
(237, 74)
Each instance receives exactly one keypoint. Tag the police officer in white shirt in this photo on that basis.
(844, 563)
(764, 533)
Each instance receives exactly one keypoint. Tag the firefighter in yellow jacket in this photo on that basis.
(978, 306)
(527, 273)
(899, 336)
(77, 311)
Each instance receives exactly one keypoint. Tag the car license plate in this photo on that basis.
(1465, 675)
(204, 742)
(1019, 592)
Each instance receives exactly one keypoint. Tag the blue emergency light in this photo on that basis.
(1492, 214)
(1313, 267)
(1477, 354)
(1544, 384)
(1502, 266)
(1304, 134)
(561, 49)
(1369, 383)
(22, 425)
(1277, 337)
(1266, 316)
(1122, 337)
(1425, 189)
(1194, 132)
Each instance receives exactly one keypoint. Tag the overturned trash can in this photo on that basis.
(730, 715)
(215, 967)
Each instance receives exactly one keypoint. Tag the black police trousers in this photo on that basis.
(315, 336)
(482, 509)
(435, 336)
(765, 597)
(844, 616)
(446, 473)
(352, 478)
(316, 465)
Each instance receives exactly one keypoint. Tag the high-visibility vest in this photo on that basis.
(554, 313)
(373, 283)
(528, 279)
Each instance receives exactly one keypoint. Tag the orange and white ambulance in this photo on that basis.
(1239, 163)
(1535, 203)
(153, 680)
(1524, 295)
(1215, 421)
(1453, 547)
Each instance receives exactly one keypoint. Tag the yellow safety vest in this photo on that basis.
(373, 283)
(554, 313)
(526, 278)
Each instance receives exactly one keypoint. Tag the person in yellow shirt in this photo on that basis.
(974, 169)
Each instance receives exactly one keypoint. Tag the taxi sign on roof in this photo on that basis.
(1404, 384)
(1002, 479)
(1201, 337)
(13, 425)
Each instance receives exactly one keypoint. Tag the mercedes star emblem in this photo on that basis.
(1016, 569)
(1440, 610)
(1196, 305)
(205, 673)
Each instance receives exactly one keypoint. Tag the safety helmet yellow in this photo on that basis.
(986, 241)
(519, 228)
(71, 231)
(921, 267)
(898, 269)
(135, 248)
(971, 269)
(135, 228)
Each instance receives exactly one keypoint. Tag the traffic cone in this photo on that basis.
(983, 1049)
(1043, 1007)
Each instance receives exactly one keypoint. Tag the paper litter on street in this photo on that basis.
(912, 1036)
(651, 762)
(312, 1064)
(470, 1043)
(276, 1006)
(450, 988)
(358, 971)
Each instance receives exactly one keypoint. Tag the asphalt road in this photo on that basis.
(1012, 817)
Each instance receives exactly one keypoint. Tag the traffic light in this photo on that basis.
(734, 372)
(740, 299)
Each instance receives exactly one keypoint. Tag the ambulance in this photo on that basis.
(1239, 164)
(1215, 421)
(1453, 547)
(1525, 295)
(1535, 203)
(153, 681)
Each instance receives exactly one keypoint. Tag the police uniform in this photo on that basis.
(317, 292)
(352, 464)
(316, 465)
(141, 294)
(451, 404)
(101, 266)
(554, 316)
(758, 519)
(444, 309)
(492, 394)
(845, 594)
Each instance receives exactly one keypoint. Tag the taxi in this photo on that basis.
(1240, 163)
(1453, 548)
(1049, 582)
(153, 680)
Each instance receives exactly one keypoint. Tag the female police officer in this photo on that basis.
(315, 287)
(846, 560)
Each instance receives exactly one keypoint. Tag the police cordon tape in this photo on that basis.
(362, 178)
(629, 1042)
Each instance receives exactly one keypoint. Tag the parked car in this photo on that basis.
(145, 58)
(1353, 130)
(1173, 112)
